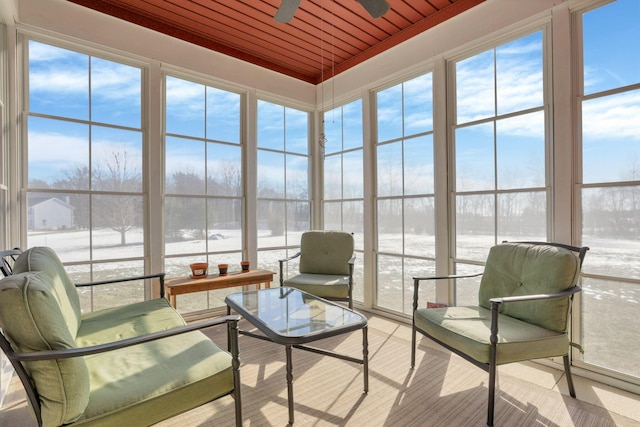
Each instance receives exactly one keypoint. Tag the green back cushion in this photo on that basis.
(325, 252)
(523, 269)
(45, 259)
(31, 319)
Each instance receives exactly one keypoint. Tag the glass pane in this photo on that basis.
(117, 222)
(116, 159)
(107, 296)
(475, 229)
(390, 226)
(353, 221)
(611, 138)
(185, 166)
(270, 174)
(418, 165)
(271, 224)
(58, 82)
(522, 216)
(418, 105)
(224, 169)
(185, 225)
(297, 131)
(353, 175)
(390, 291)
(352, 125)
(521, 151)
(185, 107)
(389, 107)
(475, 158)
(415, 268)
(333, 130)
(611, 228)
(297, 177)
(268, 260)
(519, 74)
(475, 89)
(298, 221)
(333, 177)
(270, 126)
(419, 227)
(605, 67)
(358, 278)
(332, 216)
(467, 288)
(58, 154)
(389, 169)
(610, 324)
(61, 222)
(224, 230)
(116, 93)
(223, 115)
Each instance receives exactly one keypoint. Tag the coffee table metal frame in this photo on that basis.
(293, 335)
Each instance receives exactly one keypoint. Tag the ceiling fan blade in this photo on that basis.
(286, 10)
(376, 8)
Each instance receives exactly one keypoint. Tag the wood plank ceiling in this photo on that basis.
(324, 38)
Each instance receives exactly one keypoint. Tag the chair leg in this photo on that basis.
(567, 372)
(492, 393)
(413, 346)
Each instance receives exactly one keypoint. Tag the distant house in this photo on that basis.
(49, 213)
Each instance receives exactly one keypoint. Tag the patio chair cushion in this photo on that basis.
(322, 285)
(325, 252)
(33, 320)
(467, 329)
(514, 269)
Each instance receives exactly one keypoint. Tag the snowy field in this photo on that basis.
(610, 308)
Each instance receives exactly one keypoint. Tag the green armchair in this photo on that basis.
(326, 265)
(134, 365)
(523, 311)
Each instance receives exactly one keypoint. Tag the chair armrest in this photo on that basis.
(417, 280)
(565, 293)
(128, 279)
(115, 345)
(281, 264)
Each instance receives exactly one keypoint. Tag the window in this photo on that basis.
(283, 202)
(499, 153)
(405, 199)
(84, 196)
(610, 190)
(344, 180)
(203, 182)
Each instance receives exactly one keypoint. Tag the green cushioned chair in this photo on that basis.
(523, 311)
(326, 265)
(134, 365)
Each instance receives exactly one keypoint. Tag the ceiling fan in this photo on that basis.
(287, 9)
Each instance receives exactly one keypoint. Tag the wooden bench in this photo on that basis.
(186, 285)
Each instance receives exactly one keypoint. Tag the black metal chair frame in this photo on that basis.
(7, 258)
(491, 367)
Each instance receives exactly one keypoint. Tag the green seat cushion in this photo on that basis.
(32, 320)
(46, 260)
(131, 320)
(322, 285)
(467, 329)
(147, 383)
(144, 384)
(514, 269)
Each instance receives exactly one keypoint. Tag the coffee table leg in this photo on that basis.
(289, 382)
(365, 359)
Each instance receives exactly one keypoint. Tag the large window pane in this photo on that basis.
(390, 180)
(520, 150)
(115, 93)
(475, 226)
(475, 158)
(610, 38)
(185, 107)
(611, 138)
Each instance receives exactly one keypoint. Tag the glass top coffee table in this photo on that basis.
(292, 318)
